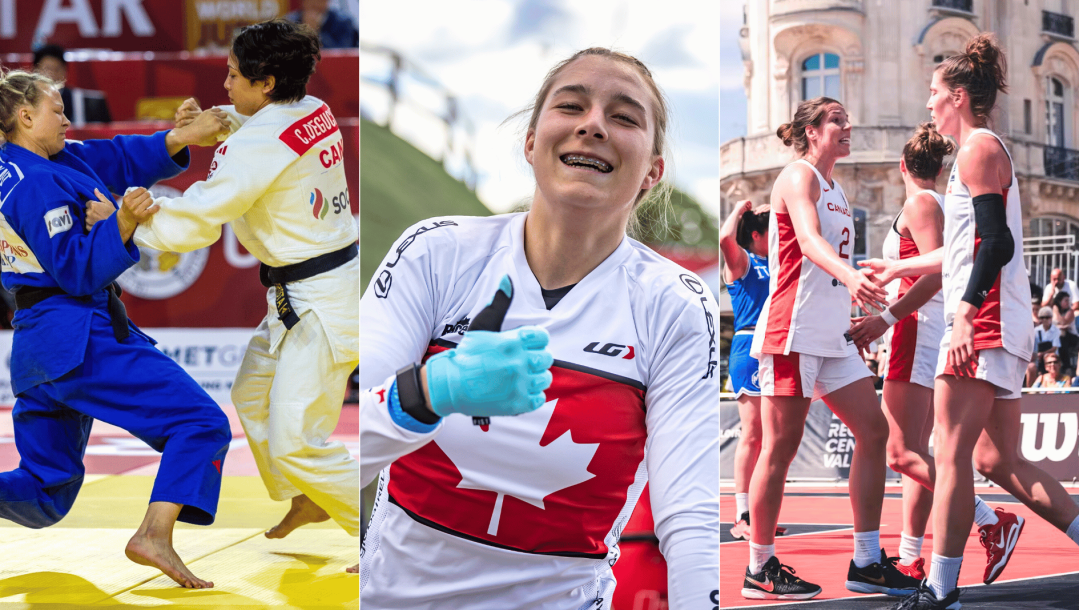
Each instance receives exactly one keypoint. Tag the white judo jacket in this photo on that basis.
(279, 179)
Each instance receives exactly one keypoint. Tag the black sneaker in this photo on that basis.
(925, 599)
(880, 577)
(777, 581)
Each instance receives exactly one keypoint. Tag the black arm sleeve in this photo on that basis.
(995, 250)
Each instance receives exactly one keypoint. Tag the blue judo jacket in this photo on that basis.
(44, 244)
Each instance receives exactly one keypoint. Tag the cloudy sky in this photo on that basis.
(492, 56)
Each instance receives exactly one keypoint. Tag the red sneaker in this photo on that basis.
(999, 542)
(915, 570)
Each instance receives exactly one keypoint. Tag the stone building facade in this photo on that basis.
(878, 58)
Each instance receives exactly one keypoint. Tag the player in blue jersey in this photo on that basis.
(743, 239)
(75, 356)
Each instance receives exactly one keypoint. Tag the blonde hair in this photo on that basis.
(653, 205)
(20, 88)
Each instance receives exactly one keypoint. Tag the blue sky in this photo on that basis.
(732, 97)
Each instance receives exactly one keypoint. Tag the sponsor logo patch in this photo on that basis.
(58, 220)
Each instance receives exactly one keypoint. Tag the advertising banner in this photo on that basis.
(1049, 438)
(210, 356)
(130, 25)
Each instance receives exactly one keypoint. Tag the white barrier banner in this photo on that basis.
(210, 355)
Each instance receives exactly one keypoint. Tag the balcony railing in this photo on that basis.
(966, 6)
(1057, 24)
(1061, 163)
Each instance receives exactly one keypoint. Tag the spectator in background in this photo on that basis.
(81, 106)
(1053, 379)
(1064, 318)
(1046, 342)
(1057, 283)
(335, 28)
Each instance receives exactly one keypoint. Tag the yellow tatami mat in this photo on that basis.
(80, 562)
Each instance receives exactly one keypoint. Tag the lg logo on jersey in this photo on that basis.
(609, 349)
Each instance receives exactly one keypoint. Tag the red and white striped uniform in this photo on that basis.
(1003, 320)
(914, 342)
(801, 335)
(808, 310)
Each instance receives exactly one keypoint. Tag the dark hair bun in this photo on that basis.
(786, 133)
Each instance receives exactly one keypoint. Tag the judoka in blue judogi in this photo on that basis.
(75, 356)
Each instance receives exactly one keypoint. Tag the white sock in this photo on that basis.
(866, 548)
(910, 549)
(983, 515)
(1073, 531)
(944, 574)
(741, 501)
(759, 554)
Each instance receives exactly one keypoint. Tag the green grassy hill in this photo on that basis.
(399, 186)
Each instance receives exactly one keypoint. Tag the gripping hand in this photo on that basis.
(492, 372)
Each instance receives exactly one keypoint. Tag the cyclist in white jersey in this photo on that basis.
(804, 348)
(526, 512)
(988, 339)
(915, 324)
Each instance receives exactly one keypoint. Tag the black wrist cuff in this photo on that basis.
(410, 392)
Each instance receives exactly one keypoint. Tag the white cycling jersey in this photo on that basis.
(526, 511)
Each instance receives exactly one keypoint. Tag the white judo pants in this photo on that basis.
(289, 401)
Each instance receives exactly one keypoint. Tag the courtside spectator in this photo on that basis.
(81, 106)
(1046, 342)
(1056, 284)
(335, 29)
(1064, 318)
(1054, 379)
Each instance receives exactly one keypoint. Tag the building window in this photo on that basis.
(861, 237)
(1056, 131)
(1027, 117)
(820, 76)
(1051, 243)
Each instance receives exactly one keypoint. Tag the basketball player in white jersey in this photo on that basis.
(915, 324)
(804, 348)
(988, 337)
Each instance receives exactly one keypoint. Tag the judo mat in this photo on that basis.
(80, 561)
(1042, 573)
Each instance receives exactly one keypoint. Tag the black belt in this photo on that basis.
(280, 276)
(28, 296)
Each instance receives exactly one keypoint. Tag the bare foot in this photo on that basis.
(158, 553)
(354, 569)
(303, 511)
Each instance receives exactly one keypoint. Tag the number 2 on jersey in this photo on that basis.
(846, 242)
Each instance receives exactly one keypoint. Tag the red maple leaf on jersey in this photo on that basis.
(530, 472)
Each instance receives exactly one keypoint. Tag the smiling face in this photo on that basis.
(43, 128)
(248, 96)
(593, 141)
(832, 136)
(943, 107)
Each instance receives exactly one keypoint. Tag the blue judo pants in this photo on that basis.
(131, 385)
